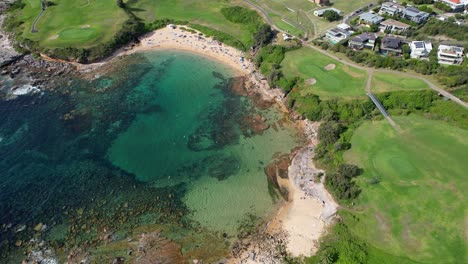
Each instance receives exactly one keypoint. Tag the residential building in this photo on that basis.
(286, 37)
(420, 49)
(456, 5)
(319, 2)
(393, 26)
(336, 35)
(344, 26)
(450, 55)
(370, 19)
(365, 40)
(415, 15)
(391, 9)
(391, 45)
(320, 12)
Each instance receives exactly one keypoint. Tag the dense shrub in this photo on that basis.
(340, 246)
(442, 6)
(263, 36)
(436, 27)
(268, 60)
(242, 15)
(18, 4)
(331, 15)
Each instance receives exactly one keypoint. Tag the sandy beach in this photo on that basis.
(310, 209)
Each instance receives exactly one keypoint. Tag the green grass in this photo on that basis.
(206, 13)
(83, 23)
(389, 82)
(343, 81)
(418, 210)
(278, 9)
(347, 6)
(285, 26)
(77, 23)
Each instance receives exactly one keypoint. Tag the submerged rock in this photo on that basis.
(253, 125)
(154, 248)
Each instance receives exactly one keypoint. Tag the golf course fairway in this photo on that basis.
(412, 202)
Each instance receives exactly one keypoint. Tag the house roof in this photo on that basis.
(421, 45)
(338, 31)
(391, 42)
(364, 37)
(392, 22)
(369, 17)
(414, 12)
(343, 26)
(321, 11)
(451, 49)
(391, 5)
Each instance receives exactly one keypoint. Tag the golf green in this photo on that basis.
(418, 208)
(340, 81)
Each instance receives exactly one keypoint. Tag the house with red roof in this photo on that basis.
(456, 5)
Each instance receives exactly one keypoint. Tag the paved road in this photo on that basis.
(43, 9)
(369, 71)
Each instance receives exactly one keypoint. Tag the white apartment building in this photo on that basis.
(450, 55)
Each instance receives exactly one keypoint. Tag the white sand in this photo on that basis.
(304, 218)
(303, 224)
(312, 208)
(330, 67)
(177, 39)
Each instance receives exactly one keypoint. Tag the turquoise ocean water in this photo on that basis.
(157, 141)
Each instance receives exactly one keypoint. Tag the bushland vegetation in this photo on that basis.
(268, 60)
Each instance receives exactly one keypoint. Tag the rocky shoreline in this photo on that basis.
(27, 75)
(295, 172)
(8, 54)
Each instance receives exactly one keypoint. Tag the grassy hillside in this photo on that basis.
(343, 81)
(418, 209)
(206, 13)
(87, 23)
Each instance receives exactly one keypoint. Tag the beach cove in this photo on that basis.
(198, 151)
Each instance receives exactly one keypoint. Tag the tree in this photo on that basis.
(331, 15)
(120, 3)
(329, 132)
(374, 28)
(406, 51)
(263, 36)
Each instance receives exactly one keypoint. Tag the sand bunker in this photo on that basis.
(85, 26)
(330, 67)
(54, 37)
(311, 81)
